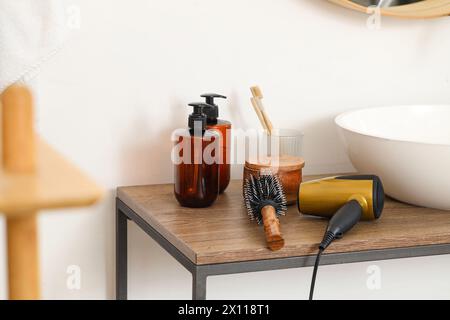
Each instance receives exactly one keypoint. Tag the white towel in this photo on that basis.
(31, 31)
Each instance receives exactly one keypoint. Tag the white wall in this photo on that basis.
(111, 97)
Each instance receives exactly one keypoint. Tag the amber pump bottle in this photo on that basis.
(196, 166)
(223, 127)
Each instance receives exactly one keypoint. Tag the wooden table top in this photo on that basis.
(223, 232)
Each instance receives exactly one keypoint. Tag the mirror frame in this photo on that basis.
(420, 10)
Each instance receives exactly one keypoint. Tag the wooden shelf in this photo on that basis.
(55, 184)
(223, 233)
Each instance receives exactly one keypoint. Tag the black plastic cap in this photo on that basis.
(378, 191)
(212, 112)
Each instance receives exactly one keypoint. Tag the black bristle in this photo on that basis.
(262, 191)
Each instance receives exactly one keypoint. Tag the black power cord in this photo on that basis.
(313, 280)
(343, 220)
(327, 239)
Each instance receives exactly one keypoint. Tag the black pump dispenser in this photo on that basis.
(212, 111)
(198, 116)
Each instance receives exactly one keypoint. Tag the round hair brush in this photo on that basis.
(265, 202)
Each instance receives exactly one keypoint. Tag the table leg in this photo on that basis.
(121, 256)
(198, 285)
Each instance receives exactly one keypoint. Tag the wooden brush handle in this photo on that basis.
(272, 230)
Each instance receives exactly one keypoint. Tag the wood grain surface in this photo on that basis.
(223, 233)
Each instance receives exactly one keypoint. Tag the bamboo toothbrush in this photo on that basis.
(257, 96)
(259, 113)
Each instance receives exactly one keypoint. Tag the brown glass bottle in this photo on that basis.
(222, 127)
(196, 166)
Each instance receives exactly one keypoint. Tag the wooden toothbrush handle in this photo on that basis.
(272, 230)
(266, 119)
(259, 113)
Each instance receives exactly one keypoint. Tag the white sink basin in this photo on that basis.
(408, 147)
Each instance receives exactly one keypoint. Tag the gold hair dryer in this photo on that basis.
(324, 197)
(345, 200)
